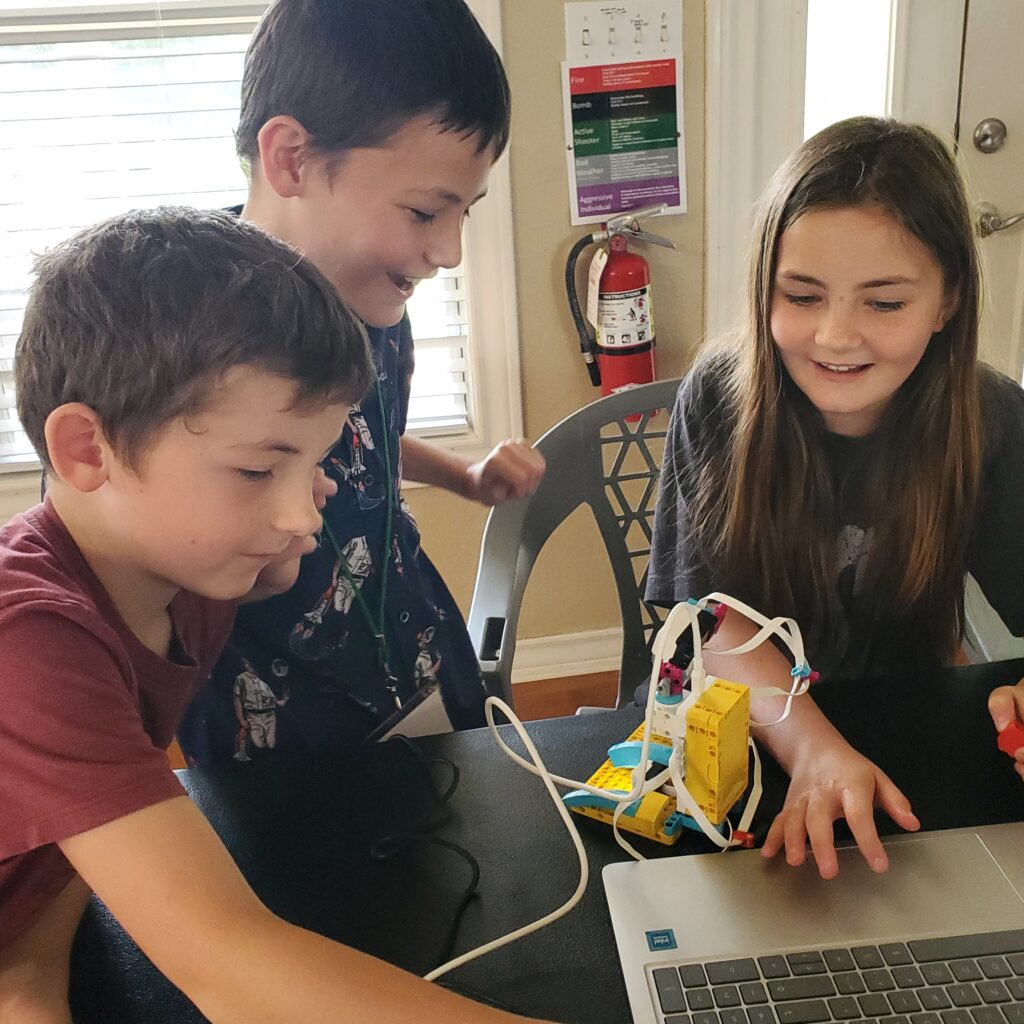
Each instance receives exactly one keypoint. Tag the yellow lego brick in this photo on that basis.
(715, 759)
(649, 820)
(638, 735)
(654, 810)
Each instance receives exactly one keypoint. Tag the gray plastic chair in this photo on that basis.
(986, 637)
(594, 457)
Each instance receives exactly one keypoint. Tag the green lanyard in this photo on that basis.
(376, 624)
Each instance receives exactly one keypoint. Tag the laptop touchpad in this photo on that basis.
(936, 883)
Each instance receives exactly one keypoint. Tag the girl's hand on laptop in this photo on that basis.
(1006, 706)
(831, 783)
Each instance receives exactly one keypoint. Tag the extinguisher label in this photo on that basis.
(624, 319)
(593, 283)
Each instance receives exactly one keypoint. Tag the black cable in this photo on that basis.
(391, 845)
(426, 763)
(479, 997)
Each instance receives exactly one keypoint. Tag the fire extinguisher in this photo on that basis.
(620, 354)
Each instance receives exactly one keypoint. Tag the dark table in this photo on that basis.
(304, 835)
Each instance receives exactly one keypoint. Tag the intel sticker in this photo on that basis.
(662, 939)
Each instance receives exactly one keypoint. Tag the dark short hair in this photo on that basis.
(141, 315)
(353, 72)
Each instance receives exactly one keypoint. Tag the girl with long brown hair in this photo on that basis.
(845, 459)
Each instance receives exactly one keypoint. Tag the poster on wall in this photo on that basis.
(622, 88)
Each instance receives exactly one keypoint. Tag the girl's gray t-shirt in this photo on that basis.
(699, 429)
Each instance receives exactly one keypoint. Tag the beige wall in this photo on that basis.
(17, 494)
(571, 589)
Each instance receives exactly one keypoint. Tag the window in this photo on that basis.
(126, 104)
(847, 61)
(777, 71)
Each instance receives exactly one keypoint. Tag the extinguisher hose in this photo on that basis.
(586, 342)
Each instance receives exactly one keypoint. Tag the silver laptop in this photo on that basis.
(730, 938)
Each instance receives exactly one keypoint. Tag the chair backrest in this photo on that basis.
(986, 636)
(608, 456)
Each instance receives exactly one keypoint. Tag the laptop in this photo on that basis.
(730, 938)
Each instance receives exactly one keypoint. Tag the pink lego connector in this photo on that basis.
(673, 675)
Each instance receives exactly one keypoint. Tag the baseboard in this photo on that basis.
(570, 654)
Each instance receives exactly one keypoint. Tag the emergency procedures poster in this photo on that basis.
(624, 131)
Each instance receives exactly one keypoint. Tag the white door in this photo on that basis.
(954, 64)
(957, 67)
(960, 92)
(992, 96)
(992, 102)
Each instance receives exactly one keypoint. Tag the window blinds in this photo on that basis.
(103, 112)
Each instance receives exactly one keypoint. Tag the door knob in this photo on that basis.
(990, 135)
(990, 220)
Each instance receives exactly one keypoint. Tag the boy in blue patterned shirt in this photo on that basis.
(370, 131)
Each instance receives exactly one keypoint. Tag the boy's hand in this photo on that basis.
(512, 470)
(832, 783)
(280, 575)
(323, 488)
(1006, 705)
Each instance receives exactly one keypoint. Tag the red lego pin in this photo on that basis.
(1011, 738)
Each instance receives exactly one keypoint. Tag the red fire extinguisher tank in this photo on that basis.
(625, 327)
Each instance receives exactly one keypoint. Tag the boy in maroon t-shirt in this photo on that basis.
(181, 375)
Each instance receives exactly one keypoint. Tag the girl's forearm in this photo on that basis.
(805, 729)
(804, 732)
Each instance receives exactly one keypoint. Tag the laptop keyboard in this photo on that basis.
(964, 979)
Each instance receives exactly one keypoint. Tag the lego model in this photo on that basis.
(685, 766)
(697, 731)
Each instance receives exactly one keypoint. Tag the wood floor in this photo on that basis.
(550, 698)
(541, 698)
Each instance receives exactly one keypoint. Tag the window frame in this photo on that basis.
(494, 398)
(755, 113)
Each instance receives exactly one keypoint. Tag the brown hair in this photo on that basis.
(138, 317)
(769, 513)
(353, 72)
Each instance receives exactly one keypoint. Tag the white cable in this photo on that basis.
(663, 649)
(789, 632)
(652, 785)
(786, 629)
(756, 790)
(638, 790)
(563, 812)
